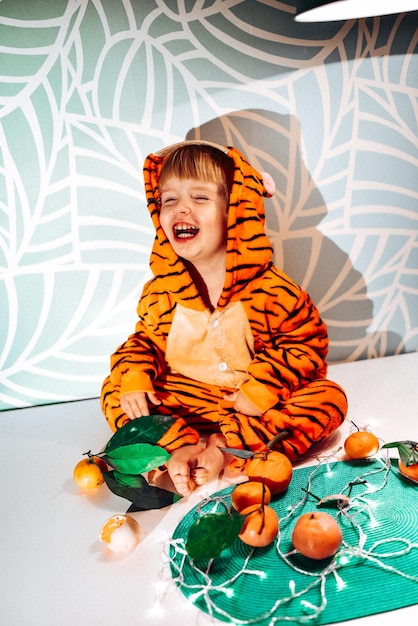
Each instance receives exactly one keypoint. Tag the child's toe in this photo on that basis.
(183, 484)
(200, 475)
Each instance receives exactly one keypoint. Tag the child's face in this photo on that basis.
(194, 216)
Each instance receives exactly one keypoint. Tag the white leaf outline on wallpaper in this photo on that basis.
(205, 100)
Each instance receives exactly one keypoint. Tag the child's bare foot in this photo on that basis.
(161, 478)
(179, 466)
(192, 466)
(211, 461)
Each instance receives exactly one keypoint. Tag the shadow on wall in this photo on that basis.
(272, 143)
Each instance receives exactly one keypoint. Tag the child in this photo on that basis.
(225, 342)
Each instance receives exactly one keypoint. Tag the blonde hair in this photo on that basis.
(199, 162)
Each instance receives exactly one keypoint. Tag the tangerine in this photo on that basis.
(88, 473)
(410, 471)
(249, 493)
(261, 526)
(272, 467)
(361, 445)
(121, 533)
(317, 535)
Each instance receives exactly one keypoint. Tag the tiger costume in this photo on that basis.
(265, 337)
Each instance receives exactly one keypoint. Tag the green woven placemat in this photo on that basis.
(376, 569)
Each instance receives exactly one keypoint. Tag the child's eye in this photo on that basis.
(168, 200)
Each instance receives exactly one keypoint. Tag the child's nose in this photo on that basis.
(182, 208)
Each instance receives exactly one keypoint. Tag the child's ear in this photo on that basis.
(269, 184)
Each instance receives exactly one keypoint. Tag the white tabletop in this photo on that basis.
(55, 571)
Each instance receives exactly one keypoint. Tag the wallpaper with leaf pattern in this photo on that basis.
(89, 87)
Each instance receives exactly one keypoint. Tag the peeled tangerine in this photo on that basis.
(121, 533)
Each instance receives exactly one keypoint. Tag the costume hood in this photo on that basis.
(248, 251)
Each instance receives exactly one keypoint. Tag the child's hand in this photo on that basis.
(135, 404)
(242, 404)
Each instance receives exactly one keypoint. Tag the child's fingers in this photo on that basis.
(242, 404)
(231, 397)
(153, 398)
(134, 404)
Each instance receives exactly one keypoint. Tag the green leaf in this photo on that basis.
(408, 451)
(136, 458)
(154, 501)
(135, 481)
(146, 429)
(136, 489)
(248, 454)
(212, 533)
(284, 434)
(241, 454)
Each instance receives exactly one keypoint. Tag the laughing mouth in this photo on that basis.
(185, 231)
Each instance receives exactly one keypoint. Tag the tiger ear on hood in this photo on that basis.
(269, 185)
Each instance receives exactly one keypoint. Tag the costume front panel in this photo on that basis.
(212, 347)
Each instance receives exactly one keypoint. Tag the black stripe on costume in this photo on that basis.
(244, 220)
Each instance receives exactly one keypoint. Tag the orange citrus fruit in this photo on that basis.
(361, 445)
(271, 466)
(261, 526)
(88, 473)
(317, 535)
(249, 493)
(121, 533)
(411, 471)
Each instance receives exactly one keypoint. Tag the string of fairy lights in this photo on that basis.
(354, 504)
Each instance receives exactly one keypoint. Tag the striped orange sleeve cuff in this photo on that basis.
(136, 381)
(259, 395)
